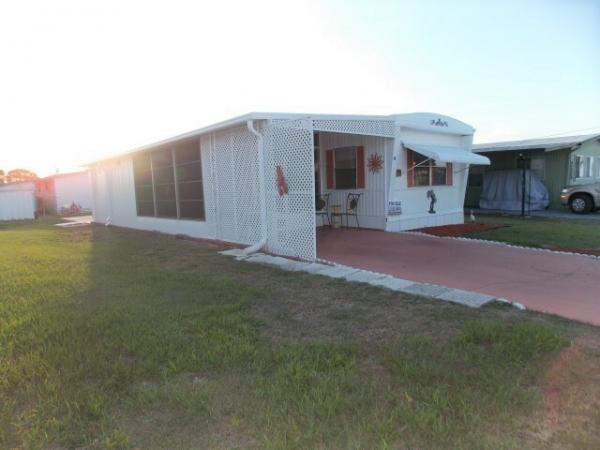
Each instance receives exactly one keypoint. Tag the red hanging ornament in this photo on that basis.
(282, 186)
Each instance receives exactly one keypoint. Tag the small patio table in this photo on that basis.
(336, 212)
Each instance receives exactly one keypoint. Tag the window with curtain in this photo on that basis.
(345, 167)
(426, 173)
(584, 166)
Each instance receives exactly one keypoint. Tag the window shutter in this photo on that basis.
(360, 167)
(329, 168)
(410, 173)
(449, 174)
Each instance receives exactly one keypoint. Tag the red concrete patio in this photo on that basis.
(565, 285)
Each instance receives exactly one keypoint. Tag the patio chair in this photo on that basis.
(351, 209)
(322, 207)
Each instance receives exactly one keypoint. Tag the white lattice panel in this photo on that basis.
(383, 128)
(208, 176)
(291, 215)
(248, 203)
(237, 200)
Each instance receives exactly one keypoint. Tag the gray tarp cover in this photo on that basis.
(502, 190)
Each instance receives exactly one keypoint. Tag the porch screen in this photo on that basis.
(188, 175)
(164, 183)
(144, 193)
(168, 182)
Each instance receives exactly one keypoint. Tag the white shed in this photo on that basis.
(17, 200)
(263, 178)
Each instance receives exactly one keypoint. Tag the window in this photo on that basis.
(425, 172)
(584, 166)
(188, 171)
(168, 182)
(164, 183)
(144, 194)
(345, 168)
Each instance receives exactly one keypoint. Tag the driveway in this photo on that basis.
(565, 285)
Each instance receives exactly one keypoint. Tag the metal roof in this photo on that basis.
(548, 144)
(406, 120)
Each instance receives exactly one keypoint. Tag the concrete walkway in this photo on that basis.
(357, 275)
(566, 285)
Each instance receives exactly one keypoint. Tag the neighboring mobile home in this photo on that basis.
(256, 179)
(54, 194)
(57, 193)
(558, 162)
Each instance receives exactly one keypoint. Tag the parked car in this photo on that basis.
(582, 199)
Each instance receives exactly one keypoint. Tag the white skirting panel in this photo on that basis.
(426, 220)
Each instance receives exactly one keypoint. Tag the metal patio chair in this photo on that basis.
(351, 209)
(322, 206)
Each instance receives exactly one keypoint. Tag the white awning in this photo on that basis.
(448, 154)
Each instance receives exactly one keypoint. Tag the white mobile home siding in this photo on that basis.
(372, 204)
(227, 157)
(415, 204)
(17, 201)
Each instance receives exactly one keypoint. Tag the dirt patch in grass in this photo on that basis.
(571, 393)
(460, 229)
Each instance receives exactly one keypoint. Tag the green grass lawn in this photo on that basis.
(542, 232)
(117, 339)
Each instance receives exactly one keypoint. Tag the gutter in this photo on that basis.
(263, 200)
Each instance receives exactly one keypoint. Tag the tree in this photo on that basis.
(16, 175)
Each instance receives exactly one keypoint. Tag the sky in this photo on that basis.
(80, 80)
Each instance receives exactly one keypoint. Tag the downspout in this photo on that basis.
(263, 200)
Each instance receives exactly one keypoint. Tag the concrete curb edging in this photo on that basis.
(333, 270)
(500, 243)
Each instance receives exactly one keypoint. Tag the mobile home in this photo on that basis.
(556, 161)
(59, 192)
(259, 179)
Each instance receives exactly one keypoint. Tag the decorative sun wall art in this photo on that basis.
(375, 163)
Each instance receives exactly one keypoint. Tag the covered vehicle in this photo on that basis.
(503, 189)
